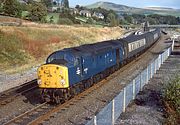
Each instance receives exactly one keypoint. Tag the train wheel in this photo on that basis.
(58, 96)
(67, 94)
(73, 91)
(45, 96)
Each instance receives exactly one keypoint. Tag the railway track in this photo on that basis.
(27, 116)
(50, 112)
(60, 109)
(45, 112)
(63, 107)
(10, 95)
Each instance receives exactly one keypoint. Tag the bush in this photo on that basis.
(172, 100)
(66, 21)
(11, 50)
(37, 12)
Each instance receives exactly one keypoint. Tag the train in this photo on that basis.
(70, 71)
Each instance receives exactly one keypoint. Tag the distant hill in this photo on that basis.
(127, 9)
(159, 8)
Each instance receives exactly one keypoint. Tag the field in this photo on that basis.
(24, 47)
(55, 17)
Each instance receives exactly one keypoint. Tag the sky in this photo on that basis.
(134, 3)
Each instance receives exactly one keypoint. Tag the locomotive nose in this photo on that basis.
(53, 76)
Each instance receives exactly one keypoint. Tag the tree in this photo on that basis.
(48, 3)
(1, 7)
(112, 19)
(65, 3)
(37, 12)
(12, 8)
(128, 18)
(77, 6)
(54, 3)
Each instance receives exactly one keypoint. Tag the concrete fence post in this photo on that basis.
(134, 88)
(151, 70)
(173, 44)
(95, 120)
(155, 62)
(147, 76)
(168, 52)
(113, 112)
(159, 61)
(124, 100)
(141, 86)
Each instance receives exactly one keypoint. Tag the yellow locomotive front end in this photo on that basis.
(53, 76)
(53, 82)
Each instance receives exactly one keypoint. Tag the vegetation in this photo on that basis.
(37, 12)
(66, 21)
(34, 11)
(11, 50)
(66, 3)
(172, 101)
(12, 8)
(21, 46)
(110, 16)
(52, 18)
(153, 19)
(48, 3)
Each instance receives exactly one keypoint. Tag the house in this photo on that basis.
(53, 9)
(58, 2)
(74, 11)
(85, 13)
(98, 15)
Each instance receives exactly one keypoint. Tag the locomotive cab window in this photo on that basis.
(77, 62)
(61, 58)
(69, 58)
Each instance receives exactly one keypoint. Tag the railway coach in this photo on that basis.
(70, 71)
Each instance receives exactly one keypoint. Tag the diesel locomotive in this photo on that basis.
(70, 71)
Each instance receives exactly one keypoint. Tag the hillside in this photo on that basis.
(24, 47)
(126, 9)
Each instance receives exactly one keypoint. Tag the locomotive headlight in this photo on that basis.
(62, 81)
(39, 82)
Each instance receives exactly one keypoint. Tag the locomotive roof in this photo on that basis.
(91, 49)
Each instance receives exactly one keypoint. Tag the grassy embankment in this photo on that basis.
(24, 47)
(172, 101)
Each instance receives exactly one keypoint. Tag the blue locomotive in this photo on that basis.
(69, 71)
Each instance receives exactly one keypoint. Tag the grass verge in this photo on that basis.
(172, 101)
(24, 46)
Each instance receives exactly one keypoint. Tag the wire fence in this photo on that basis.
(111, 112)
